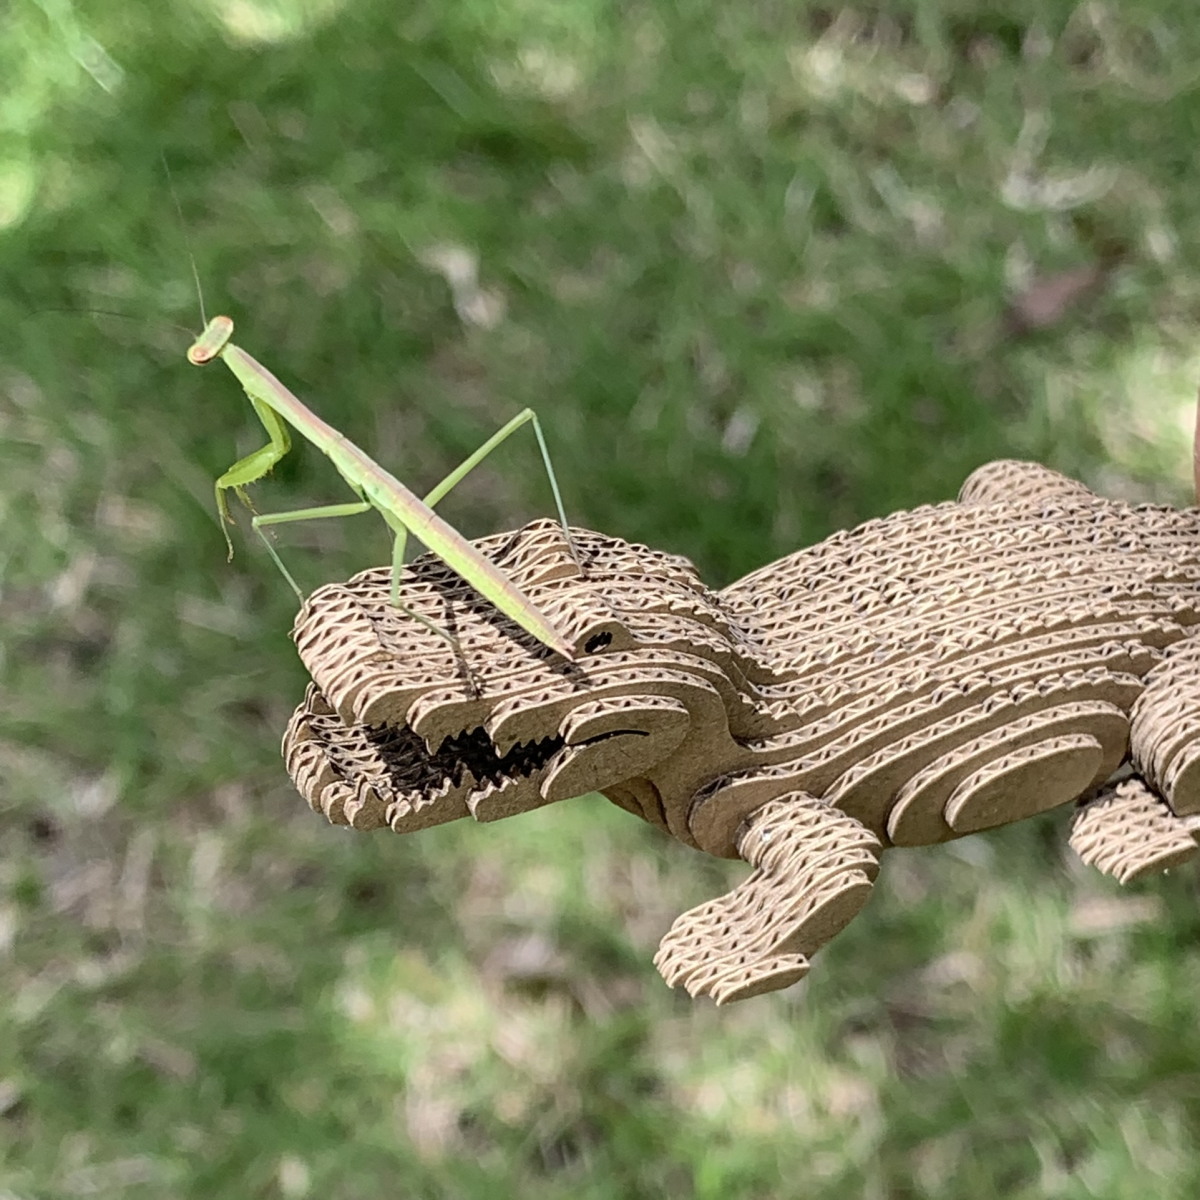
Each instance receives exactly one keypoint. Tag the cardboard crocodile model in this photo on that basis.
(921, 677)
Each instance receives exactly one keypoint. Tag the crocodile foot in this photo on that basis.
(813, 871)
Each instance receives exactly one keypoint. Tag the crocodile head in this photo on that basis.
(406, 727)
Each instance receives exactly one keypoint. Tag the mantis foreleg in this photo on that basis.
(252, 468)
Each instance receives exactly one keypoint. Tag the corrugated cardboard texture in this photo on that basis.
(915, 679)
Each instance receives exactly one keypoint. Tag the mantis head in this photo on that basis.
(211, 342)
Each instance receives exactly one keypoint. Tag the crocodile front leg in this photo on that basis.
(814, 867)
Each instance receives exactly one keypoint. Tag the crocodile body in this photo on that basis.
(918, 678)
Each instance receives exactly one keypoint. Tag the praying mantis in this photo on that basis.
(375, 487)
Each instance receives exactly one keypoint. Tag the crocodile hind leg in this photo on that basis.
(1164, 732)
(1129, 832)
(813, 871)
(1151, 821)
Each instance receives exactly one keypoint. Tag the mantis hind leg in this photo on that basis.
(524, 417)
(400, 532)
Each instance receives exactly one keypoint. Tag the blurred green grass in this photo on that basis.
(757, 267)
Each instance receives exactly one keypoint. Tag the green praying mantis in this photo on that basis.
(375, 487)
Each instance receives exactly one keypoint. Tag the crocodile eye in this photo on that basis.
(597, 642)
